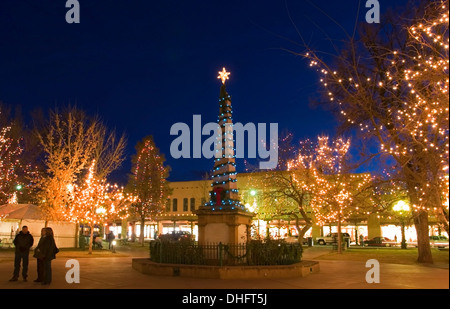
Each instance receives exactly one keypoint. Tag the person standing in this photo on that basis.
(110, 238)
(39, 258)
(48, 251)
(22, 242)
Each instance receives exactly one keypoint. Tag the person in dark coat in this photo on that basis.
(39, 258)
(48, 251)
(23, 242)
(110, 238)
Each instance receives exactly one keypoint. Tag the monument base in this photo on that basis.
(227, 226)
(302, 269)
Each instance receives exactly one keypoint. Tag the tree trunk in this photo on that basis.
(420, 218)
(423, 239)
(141, 236)
(403, 235)
(91, 239)
(302, 231)
(77, 235)
(339, 240)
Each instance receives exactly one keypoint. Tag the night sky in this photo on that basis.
(145, 65)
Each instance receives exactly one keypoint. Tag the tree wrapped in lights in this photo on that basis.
(94, 202)
(10, 164)
(148, 183)
(287, 190)
(70, 140)
(316, 186)
(337, 194)
(394, 89)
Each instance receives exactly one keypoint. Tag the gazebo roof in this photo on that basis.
(21, 212)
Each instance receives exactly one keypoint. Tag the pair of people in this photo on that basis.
(44, 252)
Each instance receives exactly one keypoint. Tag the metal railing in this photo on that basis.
(252, 253)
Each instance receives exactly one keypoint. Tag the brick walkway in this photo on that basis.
(116, 273)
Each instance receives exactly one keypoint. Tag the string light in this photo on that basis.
(224, 194)
(11, 166)
(149, 190)
(411, 115)
(95, 201)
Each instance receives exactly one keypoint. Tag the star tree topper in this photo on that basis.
(224, 75)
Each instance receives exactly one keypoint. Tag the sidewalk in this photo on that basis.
(117, 273)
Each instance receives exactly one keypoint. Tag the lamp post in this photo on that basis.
(403, 209)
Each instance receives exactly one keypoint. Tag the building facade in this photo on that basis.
(187, 196)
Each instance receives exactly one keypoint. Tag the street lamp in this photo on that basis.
(19, 187)
(403, 209)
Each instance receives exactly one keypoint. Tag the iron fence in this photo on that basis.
(252, 253)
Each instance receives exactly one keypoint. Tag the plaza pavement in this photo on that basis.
(117, 273)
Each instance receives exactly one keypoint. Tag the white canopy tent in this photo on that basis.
(14, 216)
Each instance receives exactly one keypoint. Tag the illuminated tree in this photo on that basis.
(316, 186)
(11, 167)
(337, 193)
(148, 183)
(287, 190)
(94, 202)
(9, 152)
(392, 85)
(70, 141)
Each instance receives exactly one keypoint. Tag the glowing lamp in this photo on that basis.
(401, 206)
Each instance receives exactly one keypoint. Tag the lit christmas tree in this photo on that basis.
(224, 194)
(148, 183)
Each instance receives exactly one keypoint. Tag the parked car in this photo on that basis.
(176, 236)
(439, 242)
(380, 242)
(294, 240)
(332, 238)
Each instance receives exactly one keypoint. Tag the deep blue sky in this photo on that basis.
(144, 65)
